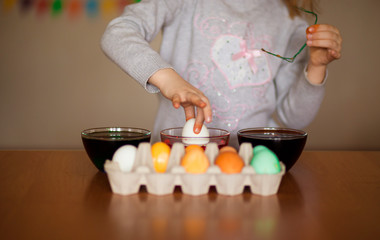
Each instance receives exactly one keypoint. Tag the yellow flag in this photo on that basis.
(108, 7)
(8, 5)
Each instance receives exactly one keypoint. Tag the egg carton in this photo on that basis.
(143, 173)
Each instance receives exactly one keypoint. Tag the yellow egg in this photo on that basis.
(160, 154)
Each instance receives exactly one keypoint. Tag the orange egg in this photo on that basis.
(160, 155)
(227, 149)
(195, 161)
(192, 147)
(229, 162)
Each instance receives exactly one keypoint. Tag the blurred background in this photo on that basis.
(55, 81)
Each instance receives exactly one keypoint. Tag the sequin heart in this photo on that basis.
(239, 65)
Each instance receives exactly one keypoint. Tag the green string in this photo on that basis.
(294, 57)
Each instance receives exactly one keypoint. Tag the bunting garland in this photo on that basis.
(73, 8)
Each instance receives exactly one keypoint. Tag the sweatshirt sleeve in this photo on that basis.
(126, 39)
(298, 100)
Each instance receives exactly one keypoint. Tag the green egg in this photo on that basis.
(260, 148)
(265, 161)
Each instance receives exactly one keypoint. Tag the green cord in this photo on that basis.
(294, 57)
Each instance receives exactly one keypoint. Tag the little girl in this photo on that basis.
(211, 61)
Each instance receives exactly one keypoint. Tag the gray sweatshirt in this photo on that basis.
(216, 46)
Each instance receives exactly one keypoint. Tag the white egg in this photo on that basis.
(125, 157)
(199, 139)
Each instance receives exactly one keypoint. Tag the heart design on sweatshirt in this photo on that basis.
(239, 65)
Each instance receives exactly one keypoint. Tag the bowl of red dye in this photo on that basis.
(172, 135)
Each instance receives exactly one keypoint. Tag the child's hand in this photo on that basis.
(325, 44)
(182, 93)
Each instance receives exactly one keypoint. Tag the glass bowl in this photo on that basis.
(286, 143)
(101, 143)
(173, 135)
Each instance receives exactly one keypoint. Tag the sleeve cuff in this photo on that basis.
(143, 71)
(307, 79)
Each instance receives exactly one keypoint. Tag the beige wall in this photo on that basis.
(55, 81)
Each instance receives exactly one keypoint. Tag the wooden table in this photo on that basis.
(60, 195)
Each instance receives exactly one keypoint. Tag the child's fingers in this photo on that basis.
(203, 110)
(207, 111)
(329, 44)
(191, 100)
(198, 121)
(189, 112)
(323, 35)
(176, 101)
(324, 43)
(198, 101)
(322, 28)
(318, 36)
(335, 54)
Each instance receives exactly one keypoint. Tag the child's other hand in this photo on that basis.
(182, 93)
(325, 44)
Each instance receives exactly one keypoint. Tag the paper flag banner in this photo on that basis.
(42, 7)
(73, 8)
(26, 5)
(56, 7)
(92, 8)
(7, 5)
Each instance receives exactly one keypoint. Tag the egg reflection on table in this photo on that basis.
(192, 138)
(125, 157)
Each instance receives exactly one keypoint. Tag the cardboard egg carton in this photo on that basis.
(143, 173)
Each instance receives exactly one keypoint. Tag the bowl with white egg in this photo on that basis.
(187, 136)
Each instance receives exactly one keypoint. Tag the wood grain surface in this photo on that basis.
(61, 195)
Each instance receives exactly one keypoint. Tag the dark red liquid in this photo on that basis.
(202, 146)
(286, 144)
(107, 142)
(221, 143)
